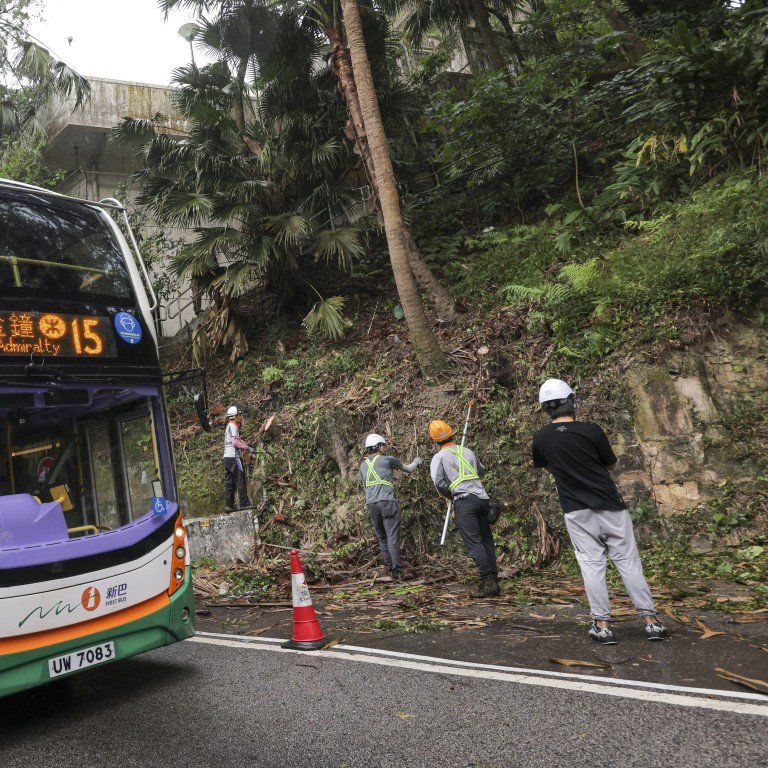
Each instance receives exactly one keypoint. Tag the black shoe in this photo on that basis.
(396, 575)
(479, 591)
(227, 510)
(492, 586)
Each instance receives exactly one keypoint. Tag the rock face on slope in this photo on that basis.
(693, 417)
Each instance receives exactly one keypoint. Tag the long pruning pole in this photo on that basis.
(450, 503)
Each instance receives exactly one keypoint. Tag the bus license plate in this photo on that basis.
(72, 662)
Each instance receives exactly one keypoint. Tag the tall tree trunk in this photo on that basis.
(438, 296)
(238, 110)
(430, 356)
(632, 44)
(503, 19)
(482, 20)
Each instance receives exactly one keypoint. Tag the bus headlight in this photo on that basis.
(178, 574)
(180, 553)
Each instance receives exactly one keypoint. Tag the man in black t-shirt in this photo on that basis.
(579, 457)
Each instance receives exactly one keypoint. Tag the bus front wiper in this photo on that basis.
(43, 371)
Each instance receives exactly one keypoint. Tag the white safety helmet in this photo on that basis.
(232, 411)
(554, 389)
(374, 440)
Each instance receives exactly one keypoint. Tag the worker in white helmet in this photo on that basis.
(377, 475)
(580, 458)
(234, 472)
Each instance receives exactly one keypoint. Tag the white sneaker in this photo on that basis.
(602, 635)
(656, 631)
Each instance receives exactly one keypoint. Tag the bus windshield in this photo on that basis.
(54, 247)
(93, 449)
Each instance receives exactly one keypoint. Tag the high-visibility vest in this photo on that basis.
(372, 476)
(466, 470)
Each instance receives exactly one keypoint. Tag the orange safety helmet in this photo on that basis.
(439, 430)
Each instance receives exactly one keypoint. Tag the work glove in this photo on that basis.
(417, 461)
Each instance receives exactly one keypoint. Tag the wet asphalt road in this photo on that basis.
(220, 702)
(530, 638)
(232, 697)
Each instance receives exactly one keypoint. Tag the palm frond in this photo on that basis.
(289, 228)
(342, 244)
(327, 318)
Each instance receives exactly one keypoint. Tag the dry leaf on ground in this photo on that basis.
(578, 663)
(756, 685)
(706, 630)
(677, 617)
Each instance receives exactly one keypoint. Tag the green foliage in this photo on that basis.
(270, 374)
(483, 264)
(710, 92)
(244, 582)
(417, 627)
(21, 159)
(709, 251)
(727, 521)
(327, 319)
(517, 143)
(34, 75)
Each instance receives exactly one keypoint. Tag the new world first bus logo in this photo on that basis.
(91, 598)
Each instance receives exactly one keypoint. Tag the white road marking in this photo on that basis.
(628, 689)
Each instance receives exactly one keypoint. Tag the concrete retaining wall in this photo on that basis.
(225, 538)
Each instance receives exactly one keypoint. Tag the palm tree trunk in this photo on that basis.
(428, 352)
(238, 110)
(481, 18)
(438, 296)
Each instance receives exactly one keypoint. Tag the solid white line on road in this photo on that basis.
(682, 696)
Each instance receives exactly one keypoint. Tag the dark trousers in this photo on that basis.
(472, 520)
(234, 478)
(385, 518)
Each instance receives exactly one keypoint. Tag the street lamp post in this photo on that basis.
(189, 32)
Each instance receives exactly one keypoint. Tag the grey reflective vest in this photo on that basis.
(372, 476)
(466, 470)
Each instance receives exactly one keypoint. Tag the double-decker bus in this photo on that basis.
(94, 562)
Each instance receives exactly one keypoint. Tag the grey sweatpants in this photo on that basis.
(595, 533)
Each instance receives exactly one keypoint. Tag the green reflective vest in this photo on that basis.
(466, 470)
(372, 476)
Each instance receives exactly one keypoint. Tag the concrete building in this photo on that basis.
(95, 167)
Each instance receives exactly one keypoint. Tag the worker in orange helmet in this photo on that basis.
(456, 473)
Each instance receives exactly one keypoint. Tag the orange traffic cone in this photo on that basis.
(307, 635)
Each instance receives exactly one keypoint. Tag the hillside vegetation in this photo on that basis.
(656, 291)
(598, 212)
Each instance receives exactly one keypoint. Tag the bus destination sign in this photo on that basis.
(51, 334)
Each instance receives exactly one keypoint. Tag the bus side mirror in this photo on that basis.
(202, 412)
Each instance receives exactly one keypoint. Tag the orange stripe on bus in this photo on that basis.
(63, 634)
